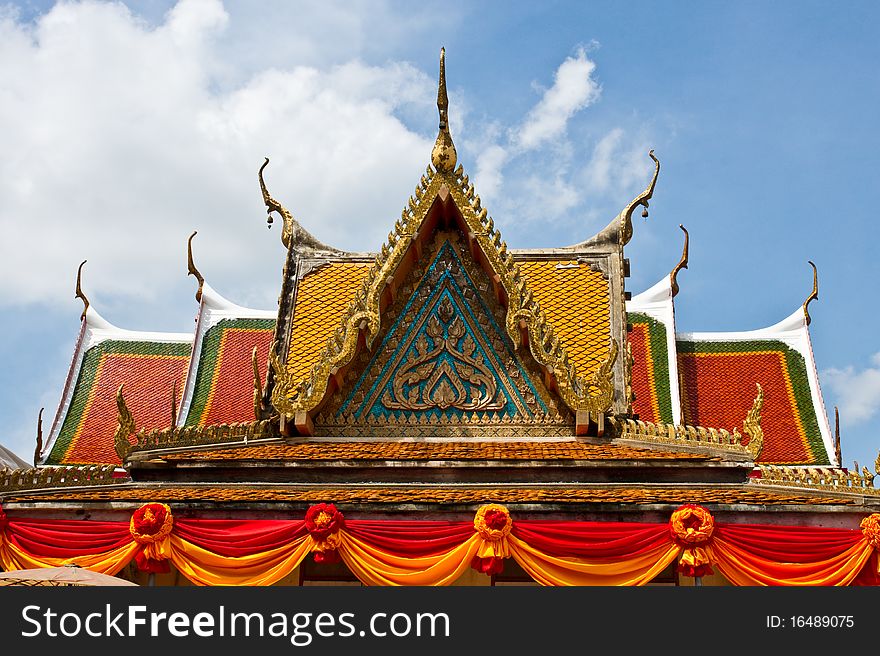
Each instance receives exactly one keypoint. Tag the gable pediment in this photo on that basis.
(444, 362)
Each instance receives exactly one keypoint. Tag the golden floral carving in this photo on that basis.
(446, 385)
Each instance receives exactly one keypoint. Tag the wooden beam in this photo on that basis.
(304, 424)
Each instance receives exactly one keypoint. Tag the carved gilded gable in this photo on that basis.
(444, 364)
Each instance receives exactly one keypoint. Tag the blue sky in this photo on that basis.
(125, 127)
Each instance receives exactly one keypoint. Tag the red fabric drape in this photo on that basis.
(792, 544)
(65, 538)
(234, 538)
(231, 551)
(591, 539)
(411, 538)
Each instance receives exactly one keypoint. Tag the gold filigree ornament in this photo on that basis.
(460, 381)
(594, 392)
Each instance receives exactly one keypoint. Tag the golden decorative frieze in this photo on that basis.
(833, 479)
(52, 477)
(168, 438)
(541, 425)
(660, 433)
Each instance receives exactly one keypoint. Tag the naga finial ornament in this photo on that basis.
(191, 267)
(814, 295)
(443, 156)
(293, 235)
(837, 451)
(79, 291)
(125, 426)
(752, 425)
(626, 229)
(174, 403)
(39, 449)
(258, 387)
(682, 264)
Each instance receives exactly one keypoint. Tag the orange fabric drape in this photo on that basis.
(110, 562)
(375, 566)
(555, 570)
(204, 567)
(743, 568)
(255, 552)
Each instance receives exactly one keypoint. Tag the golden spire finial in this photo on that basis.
(682, 263)
(814, 295)
(191, 267)
(39, 449)
(443, 157)
(79, 291)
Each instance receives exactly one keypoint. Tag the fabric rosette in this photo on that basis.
(493, 524)
(3, 523)
(691, 527)
(150, 527)
(324, 522)
(870, 526)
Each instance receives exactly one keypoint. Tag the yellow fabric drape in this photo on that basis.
(376, 567)
(742, 568)
(265, 568)
(108, 562)
(553, 570)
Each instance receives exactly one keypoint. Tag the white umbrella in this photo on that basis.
(59, 576)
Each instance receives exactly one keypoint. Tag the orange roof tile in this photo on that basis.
(441, 494)
(436, 451)
(718, 389)
(575, 299)
(224, 388)
(149, 371)
(322, 297)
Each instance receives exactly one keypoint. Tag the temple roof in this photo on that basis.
(226, 335)
(719, 371)
(167, 378)
(151, 365)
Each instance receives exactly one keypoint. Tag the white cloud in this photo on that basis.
(858, 391)
(118, 142)
(547, 186)
(573, 89)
